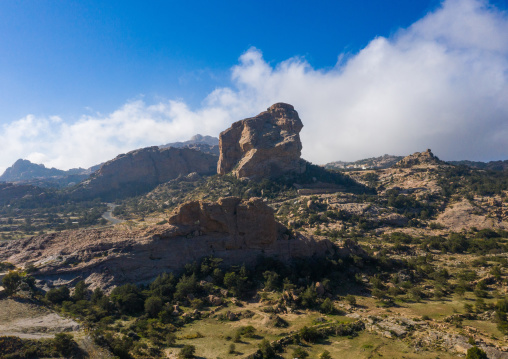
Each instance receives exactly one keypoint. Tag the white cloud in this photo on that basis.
(442, 83)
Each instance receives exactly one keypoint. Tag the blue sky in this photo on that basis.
(64, 57)
(84, 81)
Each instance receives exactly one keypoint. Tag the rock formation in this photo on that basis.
(419, 158)
(141, 170)
(235, 230)
(267, 145)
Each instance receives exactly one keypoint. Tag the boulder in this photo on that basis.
(264, 146)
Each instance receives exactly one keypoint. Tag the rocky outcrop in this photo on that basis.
(235, 230)
(141, 170)
(419, 159)
(264, 146)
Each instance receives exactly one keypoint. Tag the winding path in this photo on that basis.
(108, 215)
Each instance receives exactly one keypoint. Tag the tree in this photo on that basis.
(11, 282)
(327, 306)
(128, 298)
(266, 349)
(185, 286)
(64, 343)
(325, 355)
(351, 299)
(309, 334)
(271, 280)
(153, 305)
(232, 349)
(80, 291)
(58, 295)
(476, 353)
(309, 297)
(299, 353)
(187, 352)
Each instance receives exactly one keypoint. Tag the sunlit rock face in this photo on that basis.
(265, 146)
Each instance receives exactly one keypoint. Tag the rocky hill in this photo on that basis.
(425, 158)
(265, 146)
(228, 229)
(141, 170)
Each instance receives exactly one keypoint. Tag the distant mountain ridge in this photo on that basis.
(26, 172)
(492, 165)
(380, 162)
(206, 144)
(387, 161)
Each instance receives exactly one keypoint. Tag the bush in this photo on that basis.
(248, 331)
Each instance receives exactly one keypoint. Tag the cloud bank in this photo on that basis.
(442, 83)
